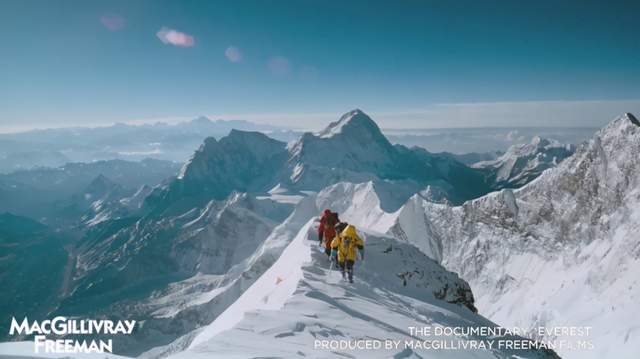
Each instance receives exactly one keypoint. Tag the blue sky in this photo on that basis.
(301, 63)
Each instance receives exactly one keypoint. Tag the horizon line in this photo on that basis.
(432, 113)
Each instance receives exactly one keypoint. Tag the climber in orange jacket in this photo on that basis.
(327, 229)
(344, 249)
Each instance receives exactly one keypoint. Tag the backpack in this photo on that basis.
(331, 220)
(341, 226)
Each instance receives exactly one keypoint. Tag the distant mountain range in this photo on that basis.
(482, 140)
(351, 149)
(53, 194)
(174, 142)
(523, 163)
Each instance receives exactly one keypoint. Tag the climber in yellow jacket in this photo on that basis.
(344, 249)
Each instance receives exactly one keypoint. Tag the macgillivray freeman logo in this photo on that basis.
(61, 326)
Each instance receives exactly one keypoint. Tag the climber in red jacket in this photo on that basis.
(327, 229)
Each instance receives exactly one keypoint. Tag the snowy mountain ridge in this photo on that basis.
(352, 122)
(520, 164)
(300, 299)
(274, 275)
(567, 242)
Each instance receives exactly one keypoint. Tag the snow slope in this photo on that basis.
(561, 251)
(300, 299)
(285, 273)
(176, 272)
(365, 204)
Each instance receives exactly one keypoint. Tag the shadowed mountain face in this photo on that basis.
(47, 193)
(241, 161)
(33, 268)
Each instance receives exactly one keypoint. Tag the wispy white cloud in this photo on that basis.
(233, 54)
(279, 65)
(113, 22)
(174, 37)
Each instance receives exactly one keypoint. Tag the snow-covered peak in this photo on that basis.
(351, 123)
(522, 163)
(256, 142)
(537, 144)
(352, 148)
(629, 116)
(253, 146)
(243, 161)
(620, 128)
(607, 164)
